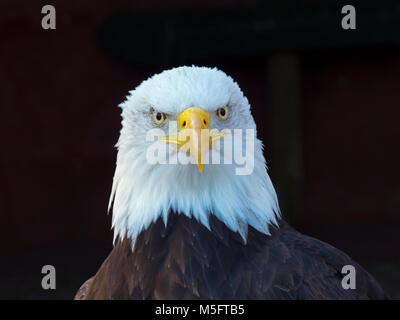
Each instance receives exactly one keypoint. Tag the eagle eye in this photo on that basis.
(158, 118)
(223, 113)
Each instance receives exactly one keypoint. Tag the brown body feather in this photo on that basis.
(185, 260)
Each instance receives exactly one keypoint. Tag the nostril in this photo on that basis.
(205, 121)
(184, 124)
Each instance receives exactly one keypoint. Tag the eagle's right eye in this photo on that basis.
(159, 118)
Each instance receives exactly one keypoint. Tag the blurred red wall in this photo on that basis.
(59, 95)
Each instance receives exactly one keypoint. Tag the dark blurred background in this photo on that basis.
(325, 100)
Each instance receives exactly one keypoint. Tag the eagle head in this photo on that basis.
(188, 144)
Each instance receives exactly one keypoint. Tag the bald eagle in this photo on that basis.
(202, 229)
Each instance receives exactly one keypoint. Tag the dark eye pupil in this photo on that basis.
(222, 112)
(158, 116)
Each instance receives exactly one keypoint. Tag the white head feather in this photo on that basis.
(143, 192)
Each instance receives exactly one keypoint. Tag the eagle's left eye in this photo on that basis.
(223, 113)
(158, 117)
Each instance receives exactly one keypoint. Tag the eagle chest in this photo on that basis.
(185, 260)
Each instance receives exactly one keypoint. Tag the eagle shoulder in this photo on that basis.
(82, 292)
(317, 266)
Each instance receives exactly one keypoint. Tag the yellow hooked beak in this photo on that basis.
(194, 135)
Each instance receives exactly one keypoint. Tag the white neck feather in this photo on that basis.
(142, 193)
